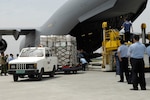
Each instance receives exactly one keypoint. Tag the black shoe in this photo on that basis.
(120, 81)
(134, 89)
(130, 83)
(143, 88)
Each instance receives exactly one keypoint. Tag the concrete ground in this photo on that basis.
(88, 85)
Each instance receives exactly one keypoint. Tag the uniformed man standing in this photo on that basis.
(136, 52)
(123, 59)
(127, 25)
(3, 64)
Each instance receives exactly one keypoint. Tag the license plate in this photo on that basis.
(20, 71)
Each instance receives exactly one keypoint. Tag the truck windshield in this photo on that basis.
(32, 53)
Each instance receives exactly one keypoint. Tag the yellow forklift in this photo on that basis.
(111, 42)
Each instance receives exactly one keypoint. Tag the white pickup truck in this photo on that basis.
(34, 62)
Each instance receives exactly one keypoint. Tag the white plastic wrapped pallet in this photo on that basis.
(62, 46)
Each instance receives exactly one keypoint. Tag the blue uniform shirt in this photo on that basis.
(83, 61)
(127, 25)
(123, 49)
(137, 50)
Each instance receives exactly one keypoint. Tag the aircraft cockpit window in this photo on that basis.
(32, 53)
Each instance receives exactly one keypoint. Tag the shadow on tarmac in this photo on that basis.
(44, 78)
(63, 73)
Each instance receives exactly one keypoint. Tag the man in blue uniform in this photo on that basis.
(127, 28)
(84, 63)
(136, 52)
(123, 59)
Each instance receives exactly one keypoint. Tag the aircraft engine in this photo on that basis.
(3, 45)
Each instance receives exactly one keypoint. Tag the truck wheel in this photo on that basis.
(52, 73)
(40, 75)
(15, 77)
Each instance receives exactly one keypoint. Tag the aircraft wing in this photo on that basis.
(16, 32)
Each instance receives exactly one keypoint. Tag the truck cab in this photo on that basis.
(33, 62)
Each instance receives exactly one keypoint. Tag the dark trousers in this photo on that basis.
(138, 75)
(84, 66)
(124, 69)
(127, 36)
(4, 69)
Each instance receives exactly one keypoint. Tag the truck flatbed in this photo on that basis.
(68, 69)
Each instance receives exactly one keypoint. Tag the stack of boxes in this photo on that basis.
(64, 47)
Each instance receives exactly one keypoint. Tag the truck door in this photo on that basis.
(48, 66)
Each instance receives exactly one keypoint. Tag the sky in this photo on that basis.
(25, 14)
(34, 13)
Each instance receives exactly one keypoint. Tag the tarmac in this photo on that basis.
(85, 85)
